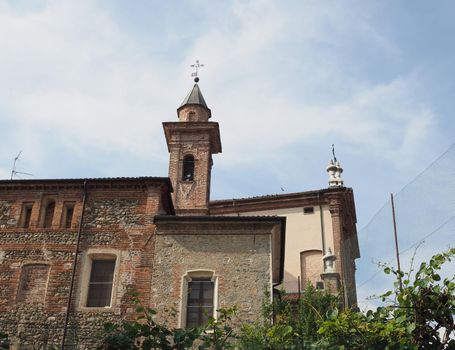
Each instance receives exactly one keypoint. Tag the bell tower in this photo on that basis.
(191, 142)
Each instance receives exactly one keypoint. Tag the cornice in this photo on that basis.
(280, 201)
(78, 184)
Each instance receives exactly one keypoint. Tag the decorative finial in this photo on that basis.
(334, 169)
(329, 260)
(197, 65)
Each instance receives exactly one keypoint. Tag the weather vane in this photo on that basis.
(333, 152)
(14, 172)
(196, 66)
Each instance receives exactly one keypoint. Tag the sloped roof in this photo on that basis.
(194, 97)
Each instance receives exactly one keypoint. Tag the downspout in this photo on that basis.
(322, 226)
(73, 273)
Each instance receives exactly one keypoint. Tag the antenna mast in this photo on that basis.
(14, 172)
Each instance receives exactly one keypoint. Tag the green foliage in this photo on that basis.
(296, 322)
(4, 341)
(146, 334)
(356, 330)
(219, 333)
(314, 308)
(420, 315)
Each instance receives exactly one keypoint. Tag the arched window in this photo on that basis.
(49, 214)
(188, 168)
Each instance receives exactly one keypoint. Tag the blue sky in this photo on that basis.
(85, 86)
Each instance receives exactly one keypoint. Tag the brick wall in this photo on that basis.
(36, 262)
(201, 140)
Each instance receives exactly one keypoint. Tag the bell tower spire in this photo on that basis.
(191, 142)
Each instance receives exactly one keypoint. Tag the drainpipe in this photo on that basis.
(73, 273)
(321, 216)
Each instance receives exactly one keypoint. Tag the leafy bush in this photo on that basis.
(146, 334)
(296, 322)
(419, 315)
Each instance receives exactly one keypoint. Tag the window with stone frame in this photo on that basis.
(188, 168)
(48, 216)
(100, 283)
(26, 215)
(200, 301)
(33, 284)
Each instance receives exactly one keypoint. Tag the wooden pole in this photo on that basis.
(396, 241)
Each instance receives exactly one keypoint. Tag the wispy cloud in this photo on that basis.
(80, 86)
(70, 70)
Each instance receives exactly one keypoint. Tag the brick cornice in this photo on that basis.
(196, 128)
(78, 184)
(281, 201)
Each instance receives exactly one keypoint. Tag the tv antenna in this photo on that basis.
(196, 66)
(14, 172)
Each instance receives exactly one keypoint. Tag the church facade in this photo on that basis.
(73, 250)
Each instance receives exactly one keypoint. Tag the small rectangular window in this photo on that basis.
(200, 301)
(188, 168)
(308, 210)
(26, 214)
(48, 213)
(67, 218)
(100, 285)
(319, 285)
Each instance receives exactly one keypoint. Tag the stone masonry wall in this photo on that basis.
(118, 219)
(116, 211)
(7, 218)
(241, 264)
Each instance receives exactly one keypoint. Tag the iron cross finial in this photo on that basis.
(196, 66)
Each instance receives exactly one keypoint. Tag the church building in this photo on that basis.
(73, 250)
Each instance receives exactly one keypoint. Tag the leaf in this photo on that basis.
(140, 309)
(411, 327)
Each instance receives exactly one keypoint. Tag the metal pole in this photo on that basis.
(321, 218)
(396, 240)
(298, 285)
(73, 273)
